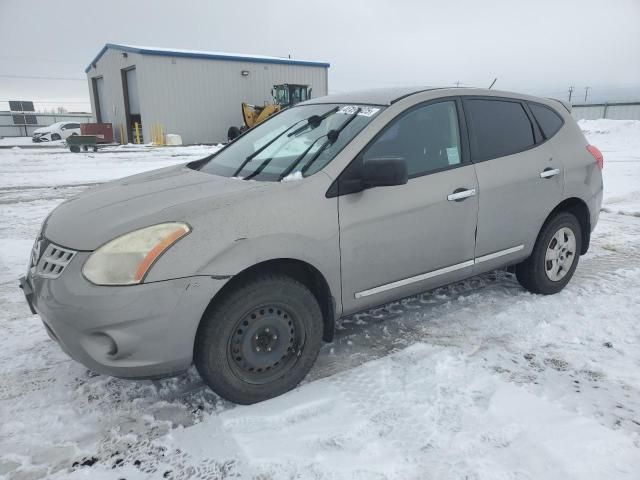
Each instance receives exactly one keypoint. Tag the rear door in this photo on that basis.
(520, 180)
(400, 240)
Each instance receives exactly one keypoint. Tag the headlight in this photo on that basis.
(127, 259)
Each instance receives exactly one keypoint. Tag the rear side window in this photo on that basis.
(549, 121)
(498, 128)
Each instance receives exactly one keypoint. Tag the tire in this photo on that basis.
(259, 340)
(55, 137)
(74, 149)
(555, 256)
(233, 133)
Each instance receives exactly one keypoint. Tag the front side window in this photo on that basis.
(427, 137)
(549, 121)
(293, 144)
(497, 128)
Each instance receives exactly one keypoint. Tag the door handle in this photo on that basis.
(460, 194)
(549, 172)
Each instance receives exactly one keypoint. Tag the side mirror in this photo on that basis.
(384, 171)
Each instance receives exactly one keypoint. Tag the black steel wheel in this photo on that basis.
(259, 340)
(265, 344)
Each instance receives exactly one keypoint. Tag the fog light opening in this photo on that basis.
(107, 343)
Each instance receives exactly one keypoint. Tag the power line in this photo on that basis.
(35, 77)
(55, 102)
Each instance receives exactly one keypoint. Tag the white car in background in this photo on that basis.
(56, 131)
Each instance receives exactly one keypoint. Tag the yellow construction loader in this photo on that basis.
(285, 95)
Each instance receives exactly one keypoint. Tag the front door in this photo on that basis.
(397, 241)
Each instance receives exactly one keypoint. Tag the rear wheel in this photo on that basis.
(555, 256)
(259, 340)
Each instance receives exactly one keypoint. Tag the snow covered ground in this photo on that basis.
(479, 380)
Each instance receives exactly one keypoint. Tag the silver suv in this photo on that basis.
(241, 262)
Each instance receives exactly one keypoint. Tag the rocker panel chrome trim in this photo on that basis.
(435, 273)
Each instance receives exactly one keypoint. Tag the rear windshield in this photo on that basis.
(295, 143)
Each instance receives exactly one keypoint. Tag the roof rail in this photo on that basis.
(564, 103)
(401, 97)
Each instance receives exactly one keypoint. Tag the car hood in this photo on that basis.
(170, 194)
(42, 130)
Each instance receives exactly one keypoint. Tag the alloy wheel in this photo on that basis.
(560, 254)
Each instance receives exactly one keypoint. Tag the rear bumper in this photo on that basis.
(138, 331)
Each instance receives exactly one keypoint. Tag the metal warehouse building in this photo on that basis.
(197, 95)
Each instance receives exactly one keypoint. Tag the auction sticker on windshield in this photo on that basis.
(364, 110)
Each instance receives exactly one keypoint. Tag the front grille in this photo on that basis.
(54, 260)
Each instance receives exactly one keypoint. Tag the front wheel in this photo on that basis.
(259, 340)
(55, 137)
(555, 256)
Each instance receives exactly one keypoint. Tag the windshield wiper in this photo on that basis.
(299, 158)
(314, 121)
(332, 136)
(265, 146)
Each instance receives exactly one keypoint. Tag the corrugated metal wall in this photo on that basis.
(616, 111)
(196, 98)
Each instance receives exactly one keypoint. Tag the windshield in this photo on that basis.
(295, 143)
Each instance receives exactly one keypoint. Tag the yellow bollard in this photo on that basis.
(136, 129)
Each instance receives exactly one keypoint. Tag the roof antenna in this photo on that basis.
(493, 83)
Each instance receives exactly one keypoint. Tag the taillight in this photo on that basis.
(597, 154)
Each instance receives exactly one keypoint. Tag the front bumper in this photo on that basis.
(136, 331)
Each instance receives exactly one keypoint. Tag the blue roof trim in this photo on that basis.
(205, 56)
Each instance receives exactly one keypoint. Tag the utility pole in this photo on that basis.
(586, 93)
(570, 92)
(457, 83)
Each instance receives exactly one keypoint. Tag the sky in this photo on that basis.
(541, 47)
